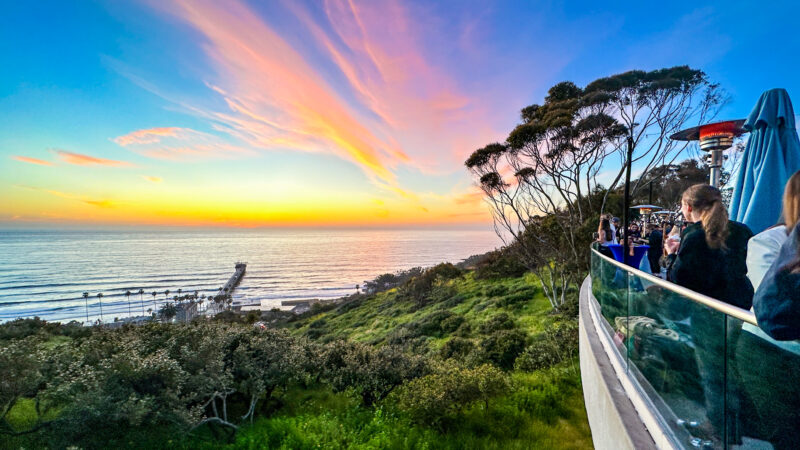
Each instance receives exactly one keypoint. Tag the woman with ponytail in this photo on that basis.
(710, 258)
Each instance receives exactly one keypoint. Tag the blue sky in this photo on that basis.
(323, 112)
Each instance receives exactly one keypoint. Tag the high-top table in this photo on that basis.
(638, 253)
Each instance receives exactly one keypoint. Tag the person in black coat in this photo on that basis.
(712, 253)
(656, 242)
(711, 259)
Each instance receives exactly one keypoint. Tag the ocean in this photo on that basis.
(44, 273)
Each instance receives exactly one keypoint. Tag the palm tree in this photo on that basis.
(128, 294)
(100, 302)
(155, 306)
(166, 295)
(358, 289)
(86, 301)
(141, 297)
(179, 291)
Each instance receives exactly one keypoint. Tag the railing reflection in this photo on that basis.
(714, 377)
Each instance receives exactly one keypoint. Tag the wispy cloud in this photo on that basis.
(179, 144)
(27, 159)
(100, 203)
(147, 136)
(79, 159)
(152, 179)
(368, 92)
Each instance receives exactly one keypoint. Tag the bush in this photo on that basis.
(22, 328)
(556, 344)
(440, 398)
(369, 372)
(495, 290)
(420, 288)
(452, 323)
(456, 348)
(518, 298)
(499, 264)
(503, 347)
(497, 322)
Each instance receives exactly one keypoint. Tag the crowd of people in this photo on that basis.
(723, 259)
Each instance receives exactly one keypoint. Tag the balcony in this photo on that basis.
(666, 367)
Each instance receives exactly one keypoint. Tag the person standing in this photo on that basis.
(710, 259)
(615, 229)
(655, 239)
(763, 248)
(711, 256)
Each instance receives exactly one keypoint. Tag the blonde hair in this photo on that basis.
(706, 200)
(791, 202)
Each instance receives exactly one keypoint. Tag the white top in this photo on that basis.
(762, 250)
(613, 234)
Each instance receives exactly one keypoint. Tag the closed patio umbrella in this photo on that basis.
(771, 156)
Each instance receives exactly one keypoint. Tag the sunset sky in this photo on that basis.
(321, 113)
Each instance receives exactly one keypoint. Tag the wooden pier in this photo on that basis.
(234, 280)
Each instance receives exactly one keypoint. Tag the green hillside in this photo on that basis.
(444, 360)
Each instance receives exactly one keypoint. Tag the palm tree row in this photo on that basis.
(221, 301)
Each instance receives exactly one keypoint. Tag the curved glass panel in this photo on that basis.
(716, 381)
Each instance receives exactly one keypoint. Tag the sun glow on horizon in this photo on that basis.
(305, 113)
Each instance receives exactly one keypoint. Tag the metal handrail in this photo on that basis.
(718, 305)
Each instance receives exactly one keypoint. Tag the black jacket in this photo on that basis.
(717, 273)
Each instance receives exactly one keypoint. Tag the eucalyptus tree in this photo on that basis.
(544, 183)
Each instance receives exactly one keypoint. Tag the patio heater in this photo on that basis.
(714, 138)
(646, 211)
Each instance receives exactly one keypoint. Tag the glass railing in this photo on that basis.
(714, 377)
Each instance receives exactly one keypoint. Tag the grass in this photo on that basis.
(542, 409)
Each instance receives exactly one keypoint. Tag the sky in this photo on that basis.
(320, 113)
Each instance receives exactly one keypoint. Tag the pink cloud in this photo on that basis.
(179, 144)
(148, 136)
(86, 160)
(30, 160)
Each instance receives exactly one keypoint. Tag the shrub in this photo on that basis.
(319, 323)
(556, 344)
(436, 324)
(440, 398)
(452, 323)
(497, 322)
(369, 372)
(456, 348)
(516, 299)
(495, 290)
(419, 288)
(464, 330)
(503, 347)
(499, 264)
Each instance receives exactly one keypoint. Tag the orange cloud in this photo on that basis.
(278, 99)
(148, 136)
(27, 159)
(152, 179)
(86, 160)
(80, 198)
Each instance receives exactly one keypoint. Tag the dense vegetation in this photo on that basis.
(443, 360)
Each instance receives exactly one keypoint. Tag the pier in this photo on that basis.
(235, 279)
